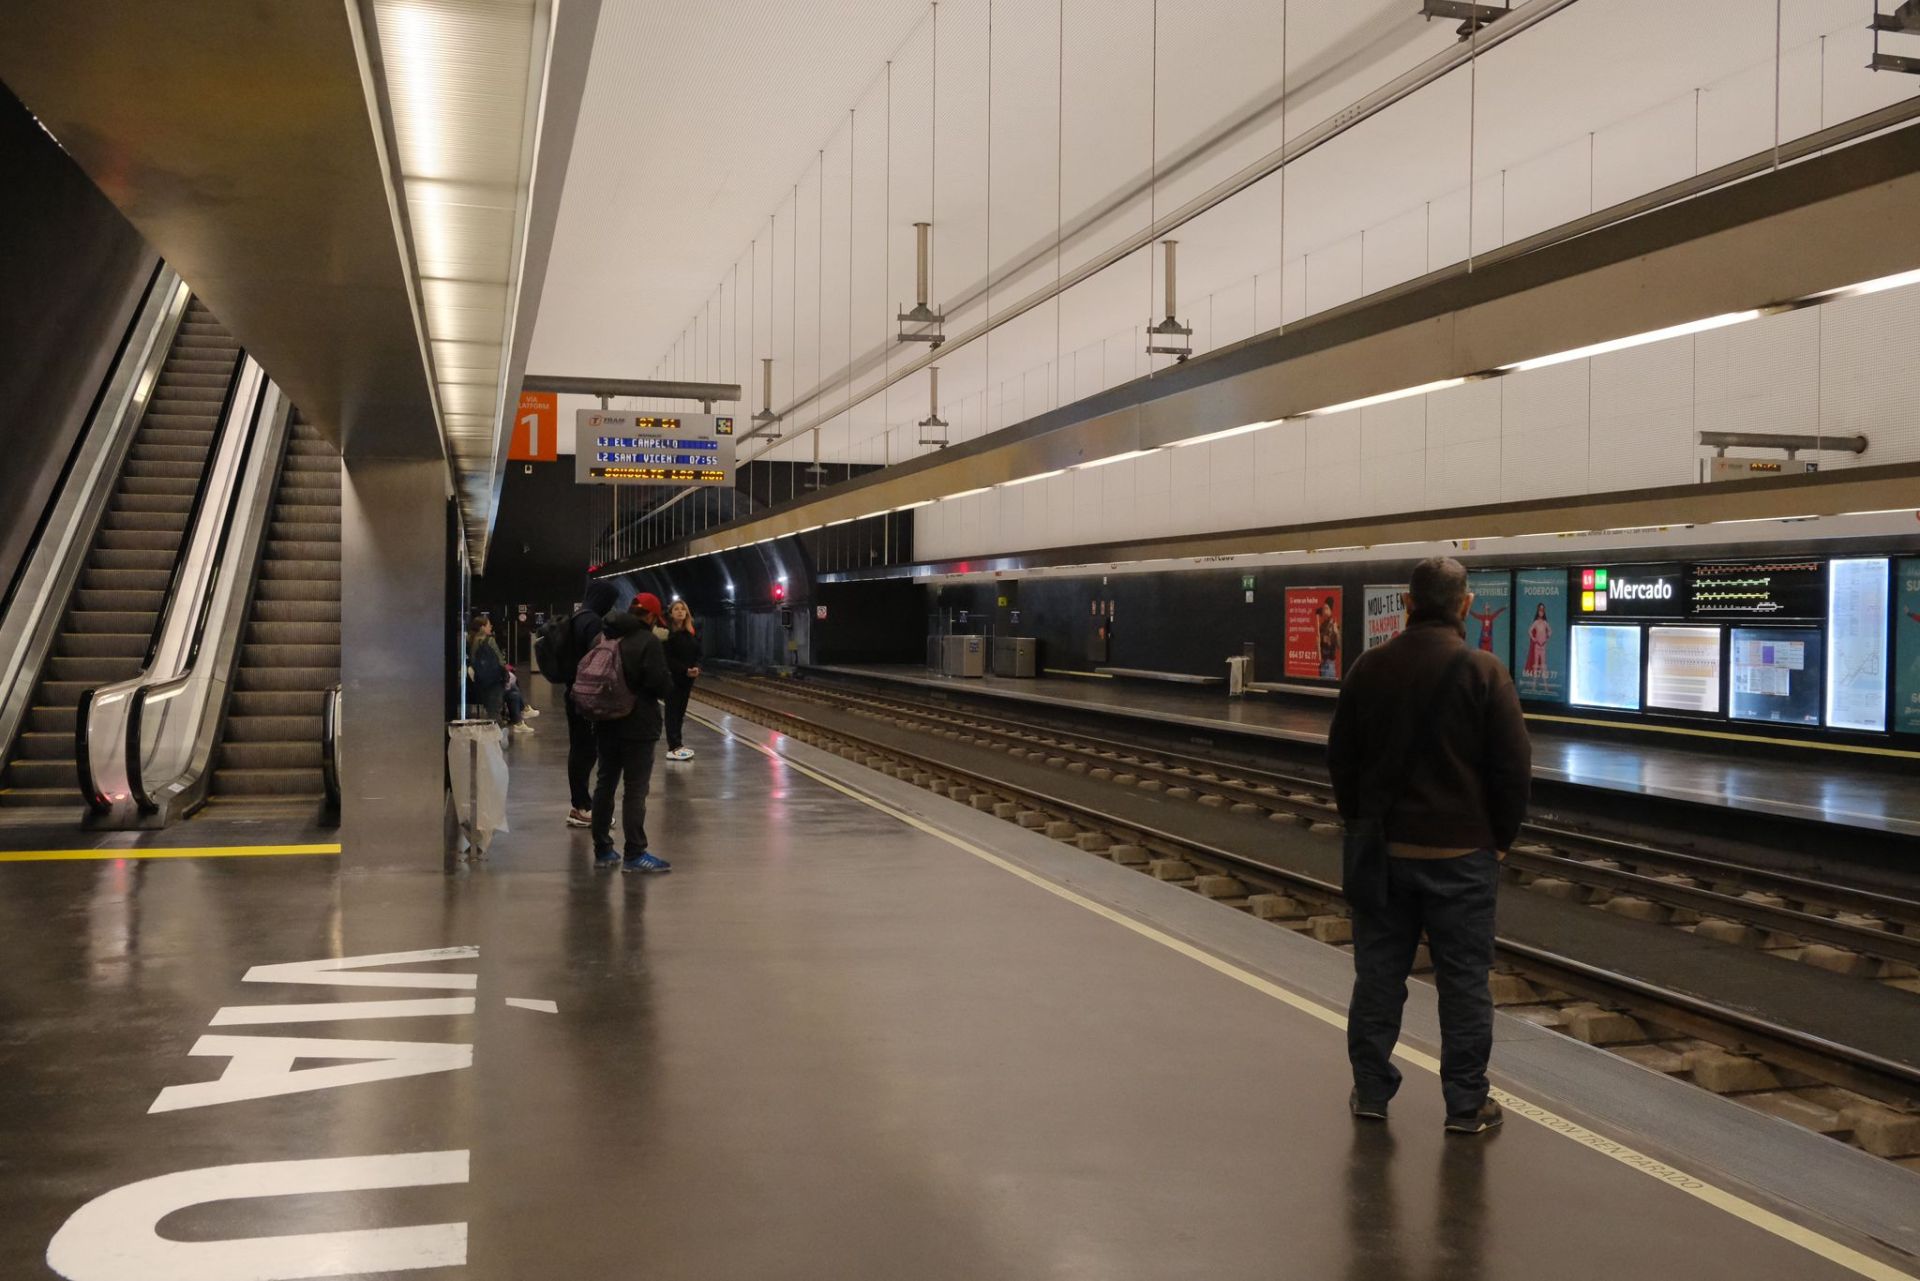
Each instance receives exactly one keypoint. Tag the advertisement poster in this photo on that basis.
(1857, 644)
(1541, 610)
(1385, 614)
(1490, 619)
(1606, 667)
(1313, 633)
(1906, 630)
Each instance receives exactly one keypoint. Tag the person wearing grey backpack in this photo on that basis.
(618, 685)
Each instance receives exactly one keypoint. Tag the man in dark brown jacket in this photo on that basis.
(1455, 808)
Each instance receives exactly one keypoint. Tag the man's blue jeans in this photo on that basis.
(1451, 899)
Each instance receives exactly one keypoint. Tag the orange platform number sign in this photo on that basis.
(536, 428)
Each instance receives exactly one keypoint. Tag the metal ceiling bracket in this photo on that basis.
(929, 321)
(933, 428)
(1176, 338)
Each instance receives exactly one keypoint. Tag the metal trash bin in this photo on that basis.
(1016, 656)
(1237, 667)
(478, 769)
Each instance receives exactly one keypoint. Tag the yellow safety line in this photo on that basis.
(156, 851)
(1067, 671)
(1859, 749)
(1766, 1220)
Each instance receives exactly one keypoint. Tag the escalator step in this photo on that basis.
(92, 671)
(32, 746)
(307, 514)
(267, 782)
(84, 621)
(274, 729)
(271, 756)
(278, 702)
(298, 611)
(302, 589)
(45, 775)
(52, 720)
(121, 599)
(266, 632)
(283, 680)
(79, 644)
(125, 558)
(138, 540)
(283, 530)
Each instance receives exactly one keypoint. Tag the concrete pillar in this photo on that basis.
(395, 654)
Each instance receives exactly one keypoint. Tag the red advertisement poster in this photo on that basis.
(1313, 633)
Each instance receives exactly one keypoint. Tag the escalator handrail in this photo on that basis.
(80, 439)
(250, 441)
(330, 746)
(199, 501)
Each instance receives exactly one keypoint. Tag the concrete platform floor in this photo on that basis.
(830, 1044)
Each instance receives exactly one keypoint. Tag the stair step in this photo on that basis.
(146, 521)
(170, 381)
(284, 680)
(197, 360)
(308, 514)
(274, 729)
(266, 632)
(168, 486)
(157, 452)
(95, 578)
(273, 703)
(276, 570)
(51, 720)
(276, 756)
(319, 554)
(300, 589)
(314, 447)
(121, 600)
(175, 505)
(92, 671)
(298, 611)
(138, 540)
(177, 430)
(304, 465)
(33, 746)
(269, 782)
(287, 531)
(149, 467)
(74, 644)
(49, 775)
(128, 558)
(310, 496)
(275, 656)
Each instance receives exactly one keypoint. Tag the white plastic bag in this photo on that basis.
(478, 769)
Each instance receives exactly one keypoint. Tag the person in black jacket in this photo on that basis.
(583, 629)
(683, 664)
(625, 746)
(1450, 711)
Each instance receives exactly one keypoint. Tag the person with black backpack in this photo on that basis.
(558, 649)
(618, 686)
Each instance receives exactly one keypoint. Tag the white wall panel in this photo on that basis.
(1869, 382)
(1643, 412)
(1544, 432)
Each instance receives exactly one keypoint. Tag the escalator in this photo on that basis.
(289, 661)
(122, 588)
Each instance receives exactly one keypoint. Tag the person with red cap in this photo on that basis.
(625, 745)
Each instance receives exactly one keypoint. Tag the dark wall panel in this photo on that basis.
(72, 271)
(541, 540)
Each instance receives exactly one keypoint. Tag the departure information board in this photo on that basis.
(652, 449)
(1779, 589)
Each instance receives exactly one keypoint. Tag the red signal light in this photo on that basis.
(779, 591)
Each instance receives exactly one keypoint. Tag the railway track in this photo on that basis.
(1781, 912)
(1846, 1092)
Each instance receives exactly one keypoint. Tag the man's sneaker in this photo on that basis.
(1366, 1111)
(606, 858)
(523, 728)
(646, 863)
(531, 712)
(579, 818)
(680, 754)
(1480, 1122)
